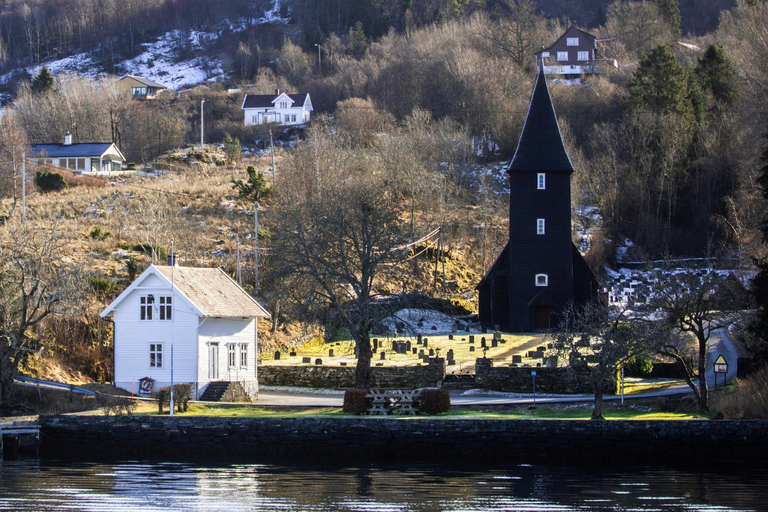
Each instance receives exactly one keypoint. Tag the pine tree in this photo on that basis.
(759, 289)
(660, 83)
(42, 81)
(670, 10)
(254, 188)
(358, 40)
(717, 74)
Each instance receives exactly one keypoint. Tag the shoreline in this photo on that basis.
(368, 440)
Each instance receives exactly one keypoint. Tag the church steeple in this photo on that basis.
(541, 147)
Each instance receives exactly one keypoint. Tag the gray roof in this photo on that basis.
(86, 149)
(266, 100)
(145, 81)
(213, 292)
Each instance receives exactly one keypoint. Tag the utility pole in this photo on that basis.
(255, 249)
(202, 124)
(319, 60)
(23, 187)
(173, 305)
(238, 274)
(272, 148)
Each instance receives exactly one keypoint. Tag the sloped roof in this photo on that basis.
(145, 81)
(86, 149)
(540, 147)
(267, 100)
(571, 32)
(213, 292)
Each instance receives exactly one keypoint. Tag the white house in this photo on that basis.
(90, 157)
(281, 108)
(196, 323)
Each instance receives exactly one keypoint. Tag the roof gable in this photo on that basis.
(540, 147)
(144, 81)
(209, 291)
(269, 100)
(572, 31)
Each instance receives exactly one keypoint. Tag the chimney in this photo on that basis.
(172, 260)
(67, 139)
(277, 92)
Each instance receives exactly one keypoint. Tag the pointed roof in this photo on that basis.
(540, 147)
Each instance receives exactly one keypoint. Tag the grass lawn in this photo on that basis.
(535, 412)
(634, 385)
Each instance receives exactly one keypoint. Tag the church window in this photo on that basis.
(542, 280)
(541, 181)
(540, 226)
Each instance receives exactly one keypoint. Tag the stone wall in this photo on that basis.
(361, 439)
(519, 378)
(319, 376)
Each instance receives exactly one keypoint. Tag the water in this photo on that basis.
(147, 486)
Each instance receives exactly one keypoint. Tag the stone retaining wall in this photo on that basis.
(319, 376)
(519, 378)
(363, 439)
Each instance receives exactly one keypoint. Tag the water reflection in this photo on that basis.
(141, 486)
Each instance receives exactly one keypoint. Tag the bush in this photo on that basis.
(101, 285)
(182, 394)
(117, 405)
(356, 401)
(434, 401)
(50, 182)
(97, 233)
(638, 366)
(144, 247)
(132, 267)
(749, 399)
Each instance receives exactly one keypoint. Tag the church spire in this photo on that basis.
(540, 147)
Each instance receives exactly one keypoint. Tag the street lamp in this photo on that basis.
(319, 60)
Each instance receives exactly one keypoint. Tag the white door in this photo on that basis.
(213, 361)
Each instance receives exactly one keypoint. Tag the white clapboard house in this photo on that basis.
(281, 108)
(196, 322)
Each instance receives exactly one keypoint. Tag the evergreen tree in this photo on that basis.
(254, 188)
(670, 10)
(358, 41)
(717, 74)
(42, 81)
(660, 83)
(694, 95)
(759, 325)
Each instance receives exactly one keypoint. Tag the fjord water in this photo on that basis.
(149, 486)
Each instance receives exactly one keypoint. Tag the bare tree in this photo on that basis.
(34, 284)
(693, 305)
(336, 235)
(597, 341)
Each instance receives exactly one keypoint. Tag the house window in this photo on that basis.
(283, 104)
(542, 280)
(562, 56)
(232, 354)
(545, 54)
(293, 118)
(147, 303)
(541, 181)
(539, 226)
(244, 355)
(139, 91)
(165, 308)
(583, 56)
(155, 355)
(572, 41)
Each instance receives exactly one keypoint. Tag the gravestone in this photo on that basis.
(482, 342)
(277, 355)
(450, 336)
(306, 360)
(434, 328)
(292, 354)
(394, 346)
(426, 342)
(318, 361)
(379, 364)
(497, 334)
(471, 348)
(330, 352)
(494, 343)
(431, 352)
(449, 355)
(343, 363)
(472, 338)
(408, 346)
(375, 344)
(383, 355)
(421, 353)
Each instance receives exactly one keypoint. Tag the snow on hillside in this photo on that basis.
(159, 61)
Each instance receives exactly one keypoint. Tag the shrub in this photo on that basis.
(182, 394)
(638, 366)
(132, 267)
(163, 396)
(749, 399)
(144, 247)
(356, 401)
(98, 234)
(49, 182)
(117, 405)
(434, 401)
(101, 285)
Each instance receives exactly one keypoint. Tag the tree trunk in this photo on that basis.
(597, 411)
(363, 368)
(703, 389)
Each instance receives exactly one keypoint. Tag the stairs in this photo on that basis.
(223, 391)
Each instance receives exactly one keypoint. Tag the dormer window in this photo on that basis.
(283, 104)
(542, 280)
(541, 181)
(572, 41)
(540, 226)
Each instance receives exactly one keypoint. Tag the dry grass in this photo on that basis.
(747, 399)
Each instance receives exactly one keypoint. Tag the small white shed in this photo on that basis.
(196, 323)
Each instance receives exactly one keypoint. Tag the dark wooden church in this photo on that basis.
(540, 271)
